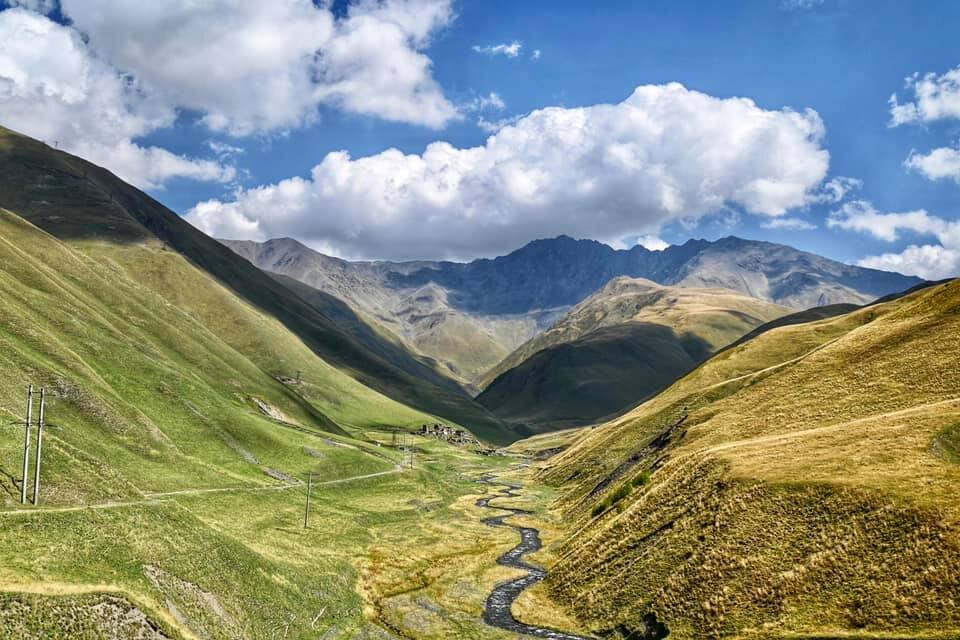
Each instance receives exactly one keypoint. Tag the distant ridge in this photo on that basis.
(468, 317)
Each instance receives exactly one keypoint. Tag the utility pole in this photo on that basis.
(26, 447)
(306, 512)
(36, 475)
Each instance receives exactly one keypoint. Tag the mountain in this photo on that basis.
(800, 484)
(425, 318)
(470, 316)
(620, 345)
(107, 219)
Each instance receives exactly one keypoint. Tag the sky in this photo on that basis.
(441, 129)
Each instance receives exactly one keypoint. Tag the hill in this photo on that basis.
(801, 484)
(176, 460)
(622, 344)
(99, 214)
(469, 316)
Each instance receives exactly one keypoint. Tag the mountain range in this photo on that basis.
(469, 317)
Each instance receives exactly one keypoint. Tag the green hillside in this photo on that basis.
(802, 484)
(619, 346)
(171, 505)
(96, 212)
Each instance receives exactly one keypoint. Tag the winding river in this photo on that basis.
(497, 611)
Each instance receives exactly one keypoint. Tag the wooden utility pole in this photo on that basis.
(26, 447)
(36, 475)
(306, 512)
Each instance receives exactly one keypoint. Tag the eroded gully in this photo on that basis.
(497, 611)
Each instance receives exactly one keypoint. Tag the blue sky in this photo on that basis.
(841, 59)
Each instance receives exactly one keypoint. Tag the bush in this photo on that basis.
(641, 479)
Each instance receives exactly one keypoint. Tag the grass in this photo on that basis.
(82, 204)
(718, 316)
(809, 491)
(623, 344)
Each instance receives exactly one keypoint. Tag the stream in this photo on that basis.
(497, 611)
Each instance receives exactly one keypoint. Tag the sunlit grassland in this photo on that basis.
(405, 550)
(804, 485)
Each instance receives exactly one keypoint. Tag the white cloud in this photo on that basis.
(652, 242)
(789, 224)
(930, 261)
(535, 54)
(54, 88)
(938, 164)
(836, 190)
(265, 66)
(489, 102)
(935, 97)
(224, 150)
(510, 50)
(861, 216)
(492, 126)
(605, 171)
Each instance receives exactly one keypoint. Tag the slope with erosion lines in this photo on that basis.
(797, 484)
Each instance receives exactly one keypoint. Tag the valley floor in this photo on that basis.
(391, 552)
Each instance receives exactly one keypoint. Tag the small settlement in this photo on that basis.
(445, 432)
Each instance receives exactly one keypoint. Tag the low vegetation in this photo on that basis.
(616, 348)
(800, 484)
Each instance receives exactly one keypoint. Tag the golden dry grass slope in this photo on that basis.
(803, 484)
(621, 345)
(719, 316)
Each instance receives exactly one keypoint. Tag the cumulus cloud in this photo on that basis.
(54, 88)
(123, 69)
(935, 97)
(938, 164)
(510, 50)
(930, 261)
(604, 171)
(263, 66)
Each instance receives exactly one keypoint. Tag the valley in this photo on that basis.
(704, 460)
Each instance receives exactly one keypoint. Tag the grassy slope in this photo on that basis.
(811, 489)
(716, 315)
(150, 409)
(624, 343)
(80, 202)
(596, 376)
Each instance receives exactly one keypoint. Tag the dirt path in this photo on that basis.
(497, 610)
(160, 498)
